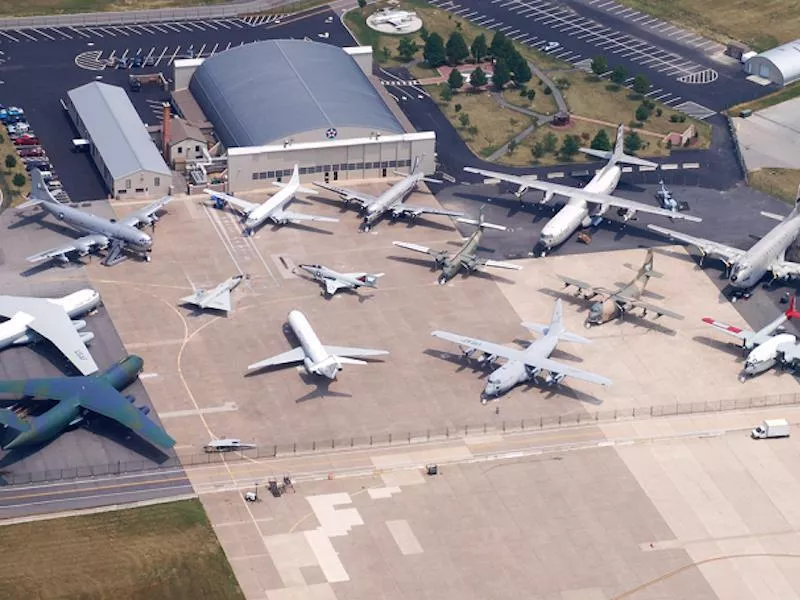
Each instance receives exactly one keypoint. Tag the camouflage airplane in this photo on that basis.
(615, 303)
(76, 399)
(466, 257)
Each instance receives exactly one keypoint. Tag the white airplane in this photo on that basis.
(335, 281)
(218, 298)
(227, 445)
(316, 358)
(392, 200)
(528, 364)
(33, 319)
(768, 346)
(274, 208)
(577, 212)
(396, 18)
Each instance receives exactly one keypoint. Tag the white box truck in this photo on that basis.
(771, 428)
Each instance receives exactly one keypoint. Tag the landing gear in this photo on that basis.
(742, 378)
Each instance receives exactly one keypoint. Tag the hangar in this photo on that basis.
(277, 103)
(121, 148)
(780, 65)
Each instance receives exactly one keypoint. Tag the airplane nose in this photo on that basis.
(734, 278)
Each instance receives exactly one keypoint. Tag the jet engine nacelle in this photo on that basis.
(555, 378)
(130, 398)
(78, 324)
(62, 258)
(532, 371)
(547, 197)
(521, 191)
(487, 359)
(86, 336)
(145, 410)
(309, 365)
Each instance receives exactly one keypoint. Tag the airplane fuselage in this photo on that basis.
(14, 331)
(89, 223)
(609, 309)
(764, 356)
(274, 204)
(464, 258)
(312, 347)
(576, 212)
(513, 372)
(396, 194)
(754, 264)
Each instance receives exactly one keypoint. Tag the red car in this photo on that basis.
(26, 141)
(30, 152)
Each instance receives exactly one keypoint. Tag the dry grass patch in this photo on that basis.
(542, 103)
(15, 8)
(162, 551)
(781, 183)
(763, 24)
(787, 93)
(11, 194)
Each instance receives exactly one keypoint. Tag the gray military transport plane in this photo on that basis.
(391, 201)
(747, 267)
(217, 298)
(586, 206)
(612, 304)
(528, 364)
(120, 235)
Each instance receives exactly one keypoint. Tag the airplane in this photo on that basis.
(466, 257)
(334, 281)
(76, 399)
(316, 358)
(766, 347)
(218, 298)
(525, 365)
(396, 18)
(31, 320)
(392, 200)
(116, 235)
(274, 208)
(586, 206)
(667, 200)
(747, 267)
(227, 445)
(615, 303)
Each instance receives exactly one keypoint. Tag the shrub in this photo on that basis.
(458, 107)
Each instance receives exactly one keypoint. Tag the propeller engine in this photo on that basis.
(130, 398)
(554, 378)
(145, 410)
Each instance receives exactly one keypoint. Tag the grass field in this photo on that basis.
(762, 24)
(787, 93)
(542, 103)
(11, 193)
(781, 183)
(166, 551)
(16, 8)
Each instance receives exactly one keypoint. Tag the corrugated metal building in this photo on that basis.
(277, 103)
(780, 65)
(126, 157)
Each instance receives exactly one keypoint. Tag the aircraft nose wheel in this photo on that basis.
(742, 378)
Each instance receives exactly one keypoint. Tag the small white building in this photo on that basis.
(121, 148)
(780, 65)
(185, 142)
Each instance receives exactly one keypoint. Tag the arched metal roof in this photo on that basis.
(265, 92)
(785, 58)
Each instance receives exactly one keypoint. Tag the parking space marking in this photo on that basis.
(27, 35)
(158, 27)
(8, 35)
(42, 33)
(163, 52)
(174, 54)
(200, 53)
(79, 32)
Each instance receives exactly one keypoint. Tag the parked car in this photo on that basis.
(551, 46)
(149, 61)
(30, 152)
(20, 127)
(136, 62)
(26, 140)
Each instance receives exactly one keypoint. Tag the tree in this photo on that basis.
(632, 142)
(640, 84)
(479, 48)
(599, 65)
(456, 49)
(447, 93)
(538, 150)
(478, 78)
(386, 53)
(434, 51)
(601, 141)
(501, 46)
(531, 95)
(549, 142)
(19, 180)
(463, 118)
(457, 107)
(423, 33)
(11, 161)
(362, 4)
(472, 131)
(512, 145)
(570, 146)
(455, 80)
(642, 113)
(618, 75)
(520, 71)
(407, 48)
(501, 74)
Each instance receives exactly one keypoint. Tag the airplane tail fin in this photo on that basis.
(791, 312)
(618, 155)
(481, 222)
(39, 192)
(646, 269)
(556, 327)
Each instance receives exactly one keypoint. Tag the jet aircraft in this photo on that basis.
(747, 267)
(466, 257)
(399, 19)
(116, 235)
(316, 358)
(528, 364)
(766, 347)
(615, 303)
(218, 298)
(586, 206)
(31, 320)
(274, 208)
(391, 201)
(335, 281)
(76, 399)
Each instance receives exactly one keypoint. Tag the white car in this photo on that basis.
(329, 19)
(550, 46)
(324, 35)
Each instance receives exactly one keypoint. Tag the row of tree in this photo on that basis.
(619, 75)
(571, 144)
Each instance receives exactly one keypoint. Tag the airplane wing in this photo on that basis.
(219, 301)
(409, 209)
(789, 352)
(292, 356)
(145, 215)
(82, 246)
(785, 269)
(727, 254)
(287, 215)
(639, 303)
(498, 264)
(743, 334)
(593, 197)
(100, 397)
(546, 364)
(418, 248)
(332, 285)
(583, 286)
(52, 323)
(242, 206)
(346, 352)
(346, 194)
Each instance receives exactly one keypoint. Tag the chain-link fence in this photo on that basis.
(267, 451)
